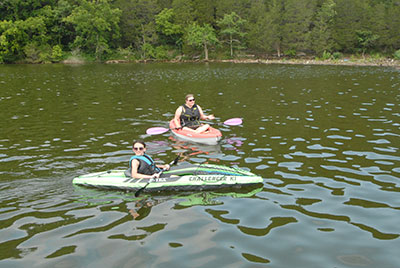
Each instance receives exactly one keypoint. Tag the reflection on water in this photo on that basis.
(324, 138)
(196, 152)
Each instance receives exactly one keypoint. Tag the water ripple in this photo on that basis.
(324, 138)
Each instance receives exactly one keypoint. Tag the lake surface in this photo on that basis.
(324, 138)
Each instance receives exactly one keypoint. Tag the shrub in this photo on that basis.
(161, 53)
(127, 53)
(32, 53)
(326, 55)
(57, 53)
(290, 52)
(337, 55)
(37, 54)
(397, 54)
(147, 51)
(45, 54)
(377, 56)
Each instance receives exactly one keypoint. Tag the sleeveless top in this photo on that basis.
(146, 165)
(190, 116)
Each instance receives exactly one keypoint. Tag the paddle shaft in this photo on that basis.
(161, 130)
(230, 122)
(159, 174)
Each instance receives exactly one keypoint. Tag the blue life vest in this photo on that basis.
(146, 165)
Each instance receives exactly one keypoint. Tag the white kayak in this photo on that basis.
(182, 177)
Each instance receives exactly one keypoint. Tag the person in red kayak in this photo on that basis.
(188, 116)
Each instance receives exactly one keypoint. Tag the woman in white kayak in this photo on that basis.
(141, 165)
(188, 116)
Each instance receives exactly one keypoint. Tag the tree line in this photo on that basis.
(51, 30)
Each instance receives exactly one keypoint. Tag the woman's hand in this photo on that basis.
(155, 176)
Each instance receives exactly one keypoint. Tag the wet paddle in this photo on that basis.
(230, 122)
(174, 162)
(161, 130)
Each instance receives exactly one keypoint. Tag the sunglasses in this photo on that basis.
(191, 99)
(138, 148)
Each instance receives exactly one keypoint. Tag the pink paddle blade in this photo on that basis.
(233, 122)
(156, 130)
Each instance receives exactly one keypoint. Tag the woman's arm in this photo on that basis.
(177, 118)
(165, 167)
(203, 116)
(134, 171)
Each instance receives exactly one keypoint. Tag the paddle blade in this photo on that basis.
(233, 122)
(138, 192)
(156, 130)
(141, 189)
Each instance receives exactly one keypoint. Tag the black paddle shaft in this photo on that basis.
(174, 162)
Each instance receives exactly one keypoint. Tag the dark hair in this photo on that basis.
(139, 141)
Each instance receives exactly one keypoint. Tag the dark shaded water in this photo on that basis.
(324, 138)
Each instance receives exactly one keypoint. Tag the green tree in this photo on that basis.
(40, 30)
(16, 35)
(201, 36)
(12, 39)
(56, 53)
(22, 9)
(240, 7)
(204, 11)
(366, 40)
(184, 12)
(275, 22)
(297, 22)
(232, 27)
(321, 34)
(61, 32)
(351, 16)
(138, 25)
(44, 21)
(96, 25)
(165, 23)
(392, 22)
(258, 38)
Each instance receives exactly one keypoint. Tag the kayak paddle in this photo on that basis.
(233, 121)
(161, 130)
(159, 173)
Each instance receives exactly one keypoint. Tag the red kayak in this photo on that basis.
(210, 137)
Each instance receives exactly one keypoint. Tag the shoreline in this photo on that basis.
(342, 62)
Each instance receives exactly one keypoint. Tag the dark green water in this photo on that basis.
(324, 138)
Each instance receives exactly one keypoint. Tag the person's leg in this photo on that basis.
(202, 128)
(190, 129)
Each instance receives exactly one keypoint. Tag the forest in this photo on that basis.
(45, 31)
